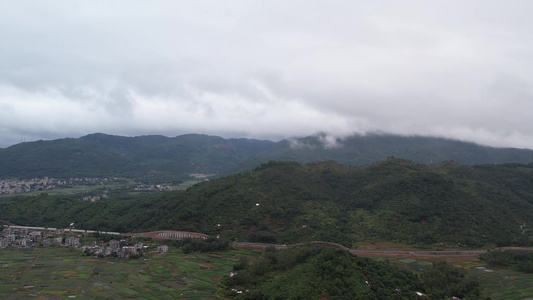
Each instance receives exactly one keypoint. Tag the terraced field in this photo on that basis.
(62, 273)
(497, 283)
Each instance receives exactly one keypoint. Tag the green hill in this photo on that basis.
(63, 158)
(360, 150)
(314, 273)
(173, 159)
(286, 202)
(98, 155)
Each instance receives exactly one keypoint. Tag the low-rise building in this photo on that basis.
(4, 243)
(72, 242)
(162, 249)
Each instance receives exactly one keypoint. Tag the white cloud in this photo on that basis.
(458, 69)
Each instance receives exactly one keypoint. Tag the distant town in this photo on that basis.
(13, 187)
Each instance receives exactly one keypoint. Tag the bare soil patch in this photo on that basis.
(206, 265)
(174, 285)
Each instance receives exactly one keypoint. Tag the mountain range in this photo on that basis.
(101, 155)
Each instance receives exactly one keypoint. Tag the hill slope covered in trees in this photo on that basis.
(172, 159)
(360, 150)
(314, 273)
(101, 155)
(392, 200)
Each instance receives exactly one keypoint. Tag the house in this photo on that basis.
(11, 238)
(23, 243)
(4, 243)
(114, 244)
(138, 246)
(72, 242)
(36, 236)
(129, 251)
(162, 249)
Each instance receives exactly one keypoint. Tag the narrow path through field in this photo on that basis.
(30, 266)
(91, 270)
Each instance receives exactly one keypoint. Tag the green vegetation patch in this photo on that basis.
(311, 272)
(503, 284)
(285, 202)
(519, 260)
(65, 272)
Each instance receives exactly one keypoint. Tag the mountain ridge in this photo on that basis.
(98, 154)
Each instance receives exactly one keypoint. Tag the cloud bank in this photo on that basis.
(456, 69)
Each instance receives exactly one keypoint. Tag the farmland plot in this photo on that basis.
(56, 273)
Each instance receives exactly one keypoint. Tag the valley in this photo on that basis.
(392, 212)
(261, 150)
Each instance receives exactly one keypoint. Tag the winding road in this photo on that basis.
(362, 252)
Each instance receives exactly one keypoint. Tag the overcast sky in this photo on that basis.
(267, 69)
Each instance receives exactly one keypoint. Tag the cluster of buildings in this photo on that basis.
(114, 248)
(27, 185)
(12, 187)
(153, 187)
(10, 237)
(26, 236)
(119, 248)
(95, 198)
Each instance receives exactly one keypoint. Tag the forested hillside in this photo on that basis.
(286, 202)
(315, 273)
(174, 159)
(63, 158)
(101, 155)
(360, 150)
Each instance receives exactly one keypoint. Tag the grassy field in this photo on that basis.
(63, 273)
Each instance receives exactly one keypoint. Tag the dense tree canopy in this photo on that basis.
(313, 273)
(285, 202)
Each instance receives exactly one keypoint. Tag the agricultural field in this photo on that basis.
(63, 273)
(496, 283)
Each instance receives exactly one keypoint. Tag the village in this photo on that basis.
(27, 185)
(31, 237)
(13, 187)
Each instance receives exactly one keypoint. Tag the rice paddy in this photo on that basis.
(63, 273)
(496, 283)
